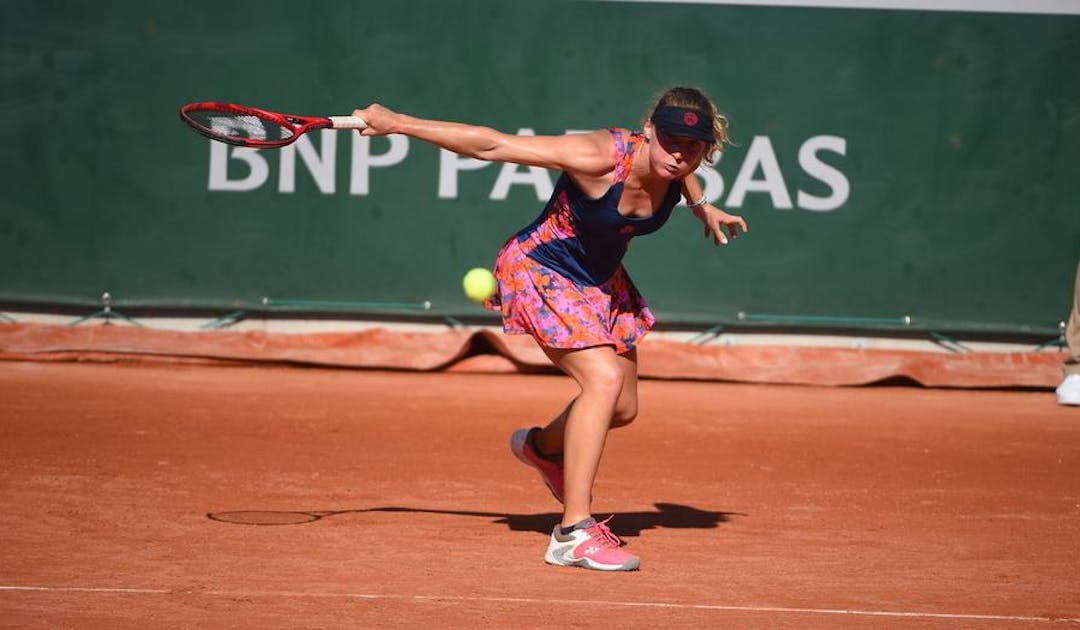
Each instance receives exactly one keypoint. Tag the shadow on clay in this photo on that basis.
(624, 524)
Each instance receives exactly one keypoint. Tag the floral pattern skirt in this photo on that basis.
(559, 313)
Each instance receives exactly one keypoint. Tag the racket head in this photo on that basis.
(245, 126)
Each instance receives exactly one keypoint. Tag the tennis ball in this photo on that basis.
(479, 284)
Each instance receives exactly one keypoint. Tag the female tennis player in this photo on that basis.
(561, 279)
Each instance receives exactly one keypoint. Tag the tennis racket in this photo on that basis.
(257, 128)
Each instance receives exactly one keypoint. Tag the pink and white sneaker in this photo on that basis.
(551, 472)
(590, 545)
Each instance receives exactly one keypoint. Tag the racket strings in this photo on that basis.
(235, 127)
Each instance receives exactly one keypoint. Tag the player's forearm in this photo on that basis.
(691, 189)
(468, 140)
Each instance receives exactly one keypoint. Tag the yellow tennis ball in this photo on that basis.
(479, 284)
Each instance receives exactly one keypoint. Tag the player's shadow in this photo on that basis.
(624, 524)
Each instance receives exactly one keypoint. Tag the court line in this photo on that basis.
(1051, 7)
(548, 601)
(88, 589)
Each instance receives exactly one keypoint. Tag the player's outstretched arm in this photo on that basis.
(589, 153)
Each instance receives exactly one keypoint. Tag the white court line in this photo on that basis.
(1051, 7)
(88, 589)
(548, 601)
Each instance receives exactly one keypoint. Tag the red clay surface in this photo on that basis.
(751, 505)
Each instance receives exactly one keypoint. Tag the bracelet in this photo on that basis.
(698, 203)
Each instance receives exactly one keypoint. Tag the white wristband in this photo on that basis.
(698, 203)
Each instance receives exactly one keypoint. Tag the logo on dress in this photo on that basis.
(690, 118)
(626, 229)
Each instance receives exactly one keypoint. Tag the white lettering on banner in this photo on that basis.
(760, 154)
(321, 167)
(713, 182)
(363, 161)
(510, 174)
(450, 164)
(220, 154)
(321, 164)
(832, 177)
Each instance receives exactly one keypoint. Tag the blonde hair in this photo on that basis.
(693, 98)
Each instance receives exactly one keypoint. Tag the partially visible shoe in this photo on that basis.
(1068, 392)
(590, 545)
(521, 443)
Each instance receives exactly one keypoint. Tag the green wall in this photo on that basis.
(939, 177)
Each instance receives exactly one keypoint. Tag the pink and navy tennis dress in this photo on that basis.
(561, 279)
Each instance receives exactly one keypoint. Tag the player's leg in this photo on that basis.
(1068, 393)
(626, 409)
(542, 448)
(549, 440)
(599, 375)
(579, 540)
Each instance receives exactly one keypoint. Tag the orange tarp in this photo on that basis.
(485, 351)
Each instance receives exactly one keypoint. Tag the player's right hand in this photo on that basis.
(380, 120)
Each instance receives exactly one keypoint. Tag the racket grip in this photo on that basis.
(348, 122)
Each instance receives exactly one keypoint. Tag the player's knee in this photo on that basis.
(604, 387)
(606, 381)
(626, 408)
(625, 413)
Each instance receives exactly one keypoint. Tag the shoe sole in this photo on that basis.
(517, 447)
(585, 563)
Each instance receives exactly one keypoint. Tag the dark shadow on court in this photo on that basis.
(624, 524)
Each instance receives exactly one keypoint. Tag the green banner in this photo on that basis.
(891, 164)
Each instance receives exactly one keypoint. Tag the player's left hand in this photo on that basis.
(716, 221)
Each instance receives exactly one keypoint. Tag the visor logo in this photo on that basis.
(690, 119)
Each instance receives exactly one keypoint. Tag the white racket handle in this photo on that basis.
(348, 122)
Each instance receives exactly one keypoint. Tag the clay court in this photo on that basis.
(145, 494)
(244, 384)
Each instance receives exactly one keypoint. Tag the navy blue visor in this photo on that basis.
(683, 121)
